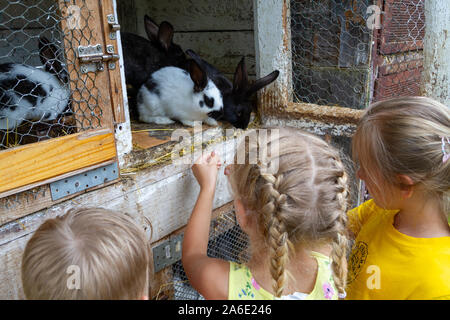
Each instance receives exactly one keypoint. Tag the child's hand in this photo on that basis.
(205, 170)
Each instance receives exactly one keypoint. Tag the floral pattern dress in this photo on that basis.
(242, 285)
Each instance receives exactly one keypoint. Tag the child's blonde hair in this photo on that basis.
(302, 201)
(404, 136)
(110, 251)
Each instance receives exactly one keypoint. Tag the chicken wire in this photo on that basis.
(74, 104)
(351, 53)
(227, 241)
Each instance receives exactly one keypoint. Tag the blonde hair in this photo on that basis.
(110, 251)
(302, 201)
(404, 136)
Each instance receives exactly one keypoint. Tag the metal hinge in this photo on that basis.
(80, 182)
(167, 253)
(92, 58)
(113, 25)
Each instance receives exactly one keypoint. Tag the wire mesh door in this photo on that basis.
(47, 93)
(352, 53)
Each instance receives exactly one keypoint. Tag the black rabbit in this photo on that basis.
(143, 56)
(237, 106)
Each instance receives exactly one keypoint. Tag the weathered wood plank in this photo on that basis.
(35, 162)
(165, 196)
(223, 50)
(195, 15)
(10, 265)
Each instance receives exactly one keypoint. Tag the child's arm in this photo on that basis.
(207, 275)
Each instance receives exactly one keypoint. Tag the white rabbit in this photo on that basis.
(174, 94)
(29, 93)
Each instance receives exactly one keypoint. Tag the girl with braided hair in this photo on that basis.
(402, 245)
(292, 204)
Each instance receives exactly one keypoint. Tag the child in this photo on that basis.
(89, 253)
(402, 247)
(294, 214)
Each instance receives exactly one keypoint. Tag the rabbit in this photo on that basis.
(173, 93)
(236, 95)
(143, 56)
(29, 93)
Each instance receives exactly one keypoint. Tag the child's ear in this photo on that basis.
(406, 185)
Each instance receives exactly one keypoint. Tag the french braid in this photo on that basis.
(340, 242)
(302, 201)
(277, 236)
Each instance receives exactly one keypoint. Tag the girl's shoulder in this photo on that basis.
(367, 211)
(242, 285)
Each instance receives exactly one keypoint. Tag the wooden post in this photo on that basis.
(273, 52)
(436, 73)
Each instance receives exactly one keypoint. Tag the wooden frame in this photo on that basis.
(35, 164)
(273, 51)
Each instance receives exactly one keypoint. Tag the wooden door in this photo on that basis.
(96, 102)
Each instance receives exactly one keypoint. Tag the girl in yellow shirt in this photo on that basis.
(402, 245)
(292, 205)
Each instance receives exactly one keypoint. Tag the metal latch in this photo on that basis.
(113, 25)
(167, 253)
(92, 57)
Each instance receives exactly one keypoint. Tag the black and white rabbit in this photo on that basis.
(143, 56)
(29, 93)
(236, 96)
(173, 93)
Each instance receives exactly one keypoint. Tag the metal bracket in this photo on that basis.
(91, 58)
(167, 253)
(83, 181)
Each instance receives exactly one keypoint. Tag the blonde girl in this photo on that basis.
(402, 247)
(292, 204)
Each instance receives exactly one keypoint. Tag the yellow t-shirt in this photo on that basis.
(242, 285)
(387, 264)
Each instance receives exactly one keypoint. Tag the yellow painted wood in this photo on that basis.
(40, 161)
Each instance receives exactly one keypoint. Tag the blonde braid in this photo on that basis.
(275, 230)
(340, 242)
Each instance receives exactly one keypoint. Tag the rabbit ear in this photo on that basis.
(198, 76)
(240, 81)
(260, 83)
(151, 28)
(48, 53)
(165, 35)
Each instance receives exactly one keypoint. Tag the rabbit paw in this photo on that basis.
(188, 123)
(212, 122)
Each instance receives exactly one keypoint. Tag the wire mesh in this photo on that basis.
(37, 55)
(350, 53)
(226, 241)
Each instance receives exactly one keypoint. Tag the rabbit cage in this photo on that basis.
(335, 57)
